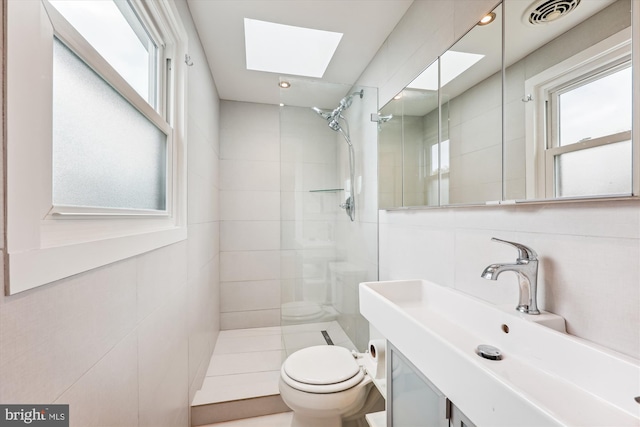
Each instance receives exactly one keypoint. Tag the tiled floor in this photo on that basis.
(246, 362)
(277, 420)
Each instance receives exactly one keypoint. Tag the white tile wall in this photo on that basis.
(116, 376)
(250, 235)
(588, 273)
(128, 344)
(249, 319)
(251, 295)
(249, 175)
(241, 266)
(250, 213)
(163, 363)
(52, 335)
(249, 205)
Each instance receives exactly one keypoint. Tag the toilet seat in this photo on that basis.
(322, 369)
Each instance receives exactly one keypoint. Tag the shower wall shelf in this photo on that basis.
(327, 190)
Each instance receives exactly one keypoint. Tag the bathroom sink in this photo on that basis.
(545, 377)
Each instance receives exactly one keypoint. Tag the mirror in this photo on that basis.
(440, 139)
(553, 123)
(568, 99)
(408, 143)
(471, 116)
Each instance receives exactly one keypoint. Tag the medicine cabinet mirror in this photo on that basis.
(535, 106)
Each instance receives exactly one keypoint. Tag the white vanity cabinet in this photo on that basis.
(413, 400)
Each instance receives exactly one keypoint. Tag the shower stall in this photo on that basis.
(329, 240)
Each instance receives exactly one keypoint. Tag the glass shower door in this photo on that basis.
(321, 267)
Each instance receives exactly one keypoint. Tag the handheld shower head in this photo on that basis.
(334, 124)
(322, 113)
(333, 118)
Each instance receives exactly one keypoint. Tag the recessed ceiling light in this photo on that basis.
(487, 19)
(278, 48)
(284, 84)
(398, 96)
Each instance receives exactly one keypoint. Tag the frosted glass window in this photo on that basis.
(595, 171)
(595, 109)
(121, 40)
(106, 153)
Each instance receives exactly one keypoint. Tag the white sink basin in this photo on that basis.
(545, 378)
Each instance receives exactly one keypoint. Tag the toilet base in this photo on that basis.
(371, 402)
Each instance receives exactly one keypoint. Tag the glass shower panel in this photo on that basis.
(324, 254)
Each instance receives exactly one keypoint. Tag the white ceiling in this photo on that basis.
(364, 23)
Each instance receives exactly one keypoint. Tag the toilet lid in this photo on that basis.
(321, 365)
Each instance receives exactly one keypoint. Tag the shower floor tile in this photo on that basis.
(242, 363)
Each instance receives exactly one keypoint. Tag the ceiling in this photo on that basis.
(364, 23)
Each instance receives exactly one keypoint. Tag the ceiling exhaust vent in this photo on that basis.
(546, 11)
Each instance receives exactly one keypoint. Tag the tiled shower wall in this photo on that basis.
(250, 215)
(128, 344)
(275, 228)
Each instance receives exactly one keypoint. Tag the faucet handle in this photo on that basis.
(524, 252)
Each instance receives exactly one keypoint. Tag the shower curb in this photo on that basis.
(218, 412)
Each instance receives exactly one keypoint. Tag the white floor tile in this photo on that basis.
(250, 332)
(307, 327)
(293, 342)
(276, 420)
(240, 363)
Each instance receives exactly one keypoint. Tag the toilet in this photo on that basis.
(327, 386)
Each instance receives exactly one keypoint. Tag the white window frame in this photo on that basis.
(46, 243)
(541, 147)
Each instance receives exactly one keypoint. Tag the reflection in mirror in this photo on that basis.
(471, 116)
(568, 101)
(390, 154)
(420, 130)
(408, 144)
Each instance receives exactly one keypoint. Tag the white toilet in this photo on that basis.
(326, 386)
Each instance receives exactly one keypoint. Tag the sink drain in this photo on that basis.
(489, 352)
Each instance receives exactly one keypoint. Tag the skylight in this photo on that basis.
(452, 64)
(278, 48)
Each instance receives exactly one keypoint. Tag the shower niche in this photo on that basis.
(328, 210)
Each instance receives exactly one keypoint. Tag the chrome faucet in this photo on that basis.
(526, 267)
